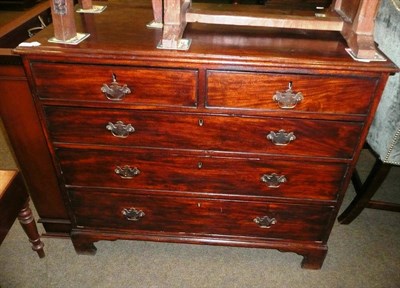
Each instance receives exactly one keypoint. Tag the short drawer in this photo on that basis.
(148, 87)
(160, 170)
(284, 136)
(321, 94)
(200, 216)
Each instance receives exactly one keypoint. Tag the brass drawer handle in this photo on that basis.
(265, 221)
(119, 129)
(281, 138)
(273, 180)
(132, 214)
(127, 172)
(115, 91)
(288, 99)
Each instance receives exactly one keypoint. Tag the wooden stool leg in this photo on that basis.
(365, 191)
(27, 222)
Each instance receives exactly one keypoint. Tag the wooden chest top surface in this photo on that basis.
(121, 31)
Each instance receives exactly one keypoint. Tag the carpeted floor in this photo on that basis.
(363, 254)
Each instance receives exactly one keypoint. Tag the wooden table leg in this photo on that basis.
(27, 222)
(14, 203)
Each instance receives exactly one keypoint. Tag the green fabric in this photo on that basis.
(384, 134)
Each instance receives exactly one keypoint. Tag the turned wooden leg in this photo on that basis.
(27, 222)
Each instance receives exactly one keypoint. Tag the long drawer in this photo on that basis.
(200, 216)
(147, 86)
(282, 136)
(321, 94)
(161, 170)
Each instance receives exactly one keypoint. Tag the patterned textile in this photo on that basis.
(384, 134)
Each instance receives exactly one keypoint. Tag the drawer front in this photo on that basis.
(148, 87)
(201, 132)
(200, 216)
(164, 171)
(320, 94)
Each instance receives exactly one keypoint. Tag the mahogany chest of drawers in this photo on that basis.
(247, 139)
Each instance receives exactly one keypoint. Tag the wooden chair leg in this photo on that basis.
(365, 191)
(27, 222)
(14, 203)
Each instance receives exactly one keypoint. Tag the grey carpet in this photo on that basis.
(363, 254)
